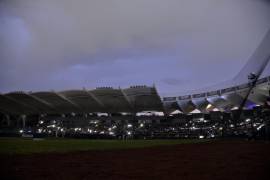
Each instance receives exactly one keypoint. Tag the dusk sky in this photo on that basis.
(178, 45)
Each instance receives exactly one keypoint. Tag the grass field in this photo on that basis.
(28, 146)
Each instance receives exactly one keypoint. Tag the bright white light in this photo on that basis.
(158, 113)
(235, 108)
(41, 122)
(102, 132)
(39, 130)
(212, 136)
(21, 131)
(53, 126)
(247, 120)
(102, 114)
(141, 125)
(220, 128)
(201, 137)
(209, 106)
(215, 110)
(61, 129)
(129, 133)
(114, 127)
(109, 129)
(195, 111)
(176, 112)
(124, 113)
(258, 128)
(111, 133)
(232, 125)
(201, 119)
(129, 125)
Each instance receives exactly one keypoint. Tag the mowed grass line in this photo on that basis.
(28, 146)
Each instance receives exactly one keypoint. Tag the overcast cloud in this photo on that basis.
(178, 45)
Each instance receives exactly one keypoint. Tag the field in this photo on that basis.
(134, 159)
(29, 146)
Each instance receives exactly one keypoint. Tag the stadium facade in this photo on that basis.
(132, 100)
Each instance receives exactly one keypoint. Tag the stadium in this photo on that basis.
(140, 112)
(139, 119)
(138, 107)
(182, 89)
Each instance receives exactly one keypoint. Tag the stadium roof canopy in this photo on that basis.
(104, 99)
(133, 99)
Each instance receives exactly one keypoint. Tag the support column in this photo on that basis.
(8, 120)
(23, 121)
(134, 117)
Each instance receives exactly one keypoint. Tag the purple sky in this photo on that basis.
(178, 45)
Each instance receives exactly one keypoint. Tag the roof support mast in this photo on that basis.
(262, 52)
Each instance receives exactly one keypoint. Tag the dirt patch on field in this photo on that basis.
(215, 160)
